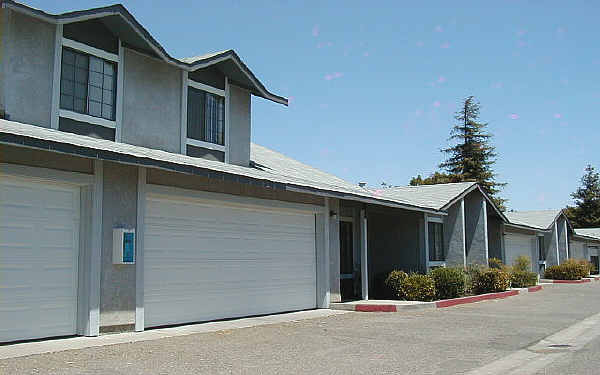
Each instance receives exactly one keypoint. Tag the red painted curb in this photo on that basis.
(534, 288)
(571, 281)
(375, 308)
(471, 299)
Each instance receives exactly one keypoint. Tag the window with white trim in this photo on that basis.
(436, 242)
(88, 84)
(205, 116)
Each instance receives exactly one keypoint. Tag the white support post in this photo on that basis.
(139, 246)
(485, 231)
(364, 258)
(96, 250)
(327, 256)
(557, 243)
(566, 236)
(426, 236)
(464, 230)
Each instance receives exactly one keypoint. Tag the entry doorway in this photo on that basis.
(349, 276)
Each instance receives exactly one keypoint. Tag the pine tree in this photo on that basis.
(471, 158)
(586, 213)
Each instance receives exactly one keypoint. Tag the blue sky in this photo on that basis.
(373, 89)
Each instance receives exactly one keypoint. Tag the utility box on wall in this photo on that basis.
(123, 246)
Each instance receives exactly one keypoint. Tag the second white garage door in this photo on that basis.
(520, 244)
(205, 260)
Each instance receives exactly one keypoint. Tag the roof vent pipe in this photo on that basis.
(362, 184)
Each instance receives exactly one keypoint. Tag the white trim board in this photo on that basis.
(89, 50)
(201, 86)
(203, 144)
(82, 117)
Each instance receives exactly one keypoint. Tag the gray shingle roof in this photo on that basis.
(427, 196)
(589, 232)
(271, 167)
(541, 219)
(431, 196)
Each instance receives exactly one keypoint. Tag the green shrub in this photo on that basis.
(587, 266)
(523, 279)
(472, 273)
(417, 287)
(449, 282)
(490, 280)
(495, 263)
(393, 283)
(570, 269)
(522, 263)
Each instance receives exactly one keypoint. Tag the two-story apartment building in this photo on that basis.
(132, 197)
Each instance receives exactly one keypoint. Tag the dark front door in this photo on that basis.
(347, 289)
(596, 263)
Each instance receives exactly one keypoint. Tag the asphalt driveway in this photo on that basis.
(442, 341)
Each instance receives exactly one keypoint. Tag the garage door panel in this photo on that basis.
(39, 245)
(213, 261)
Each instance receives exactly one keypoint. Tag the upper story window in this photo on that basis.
(436, 242)
(204, 124)
(87, 89)
(205, 116)
(88, 84)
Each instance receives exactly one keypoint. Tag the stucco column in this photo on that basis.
(322, 241)
(476, 228)
(562, 240)
(454, 235)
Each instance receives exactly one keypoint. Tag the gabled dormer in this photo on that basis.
(99, 73)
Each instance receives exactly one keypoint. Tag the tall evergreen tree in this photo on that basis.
(472, 156)
(586, 213)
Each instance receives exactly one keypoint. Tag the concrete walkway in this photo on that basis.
(57, 345)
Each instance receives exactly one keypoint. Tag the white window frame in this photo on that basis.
(57, 112)
(185, 141)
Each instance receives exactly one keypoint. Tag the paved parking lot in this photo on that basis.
(443, 341)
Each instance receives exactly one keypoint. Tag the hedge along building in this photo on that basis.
(455, 232)
(585, 244)
(123, 207)
(543, 236)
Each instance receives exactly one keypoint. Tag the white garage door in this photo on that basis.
(39, 246)
(516, 245)
(205, 261)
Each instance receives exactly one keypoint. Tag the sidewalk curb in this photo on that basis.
(582, 281)
(390, 307)
(478, 298)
